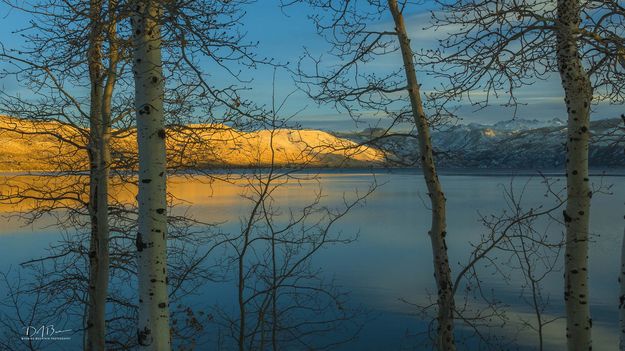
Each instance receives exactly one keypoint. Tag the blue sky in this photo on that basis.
(284, 34)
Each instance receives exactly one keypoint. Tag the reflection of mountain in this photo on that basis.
(526, 144)
(25, 145)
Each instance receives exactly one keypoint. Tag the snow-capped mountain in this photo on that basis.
(518, 143)
(519, 124)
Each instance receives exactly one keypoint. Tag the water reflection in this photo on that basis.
(391, 259)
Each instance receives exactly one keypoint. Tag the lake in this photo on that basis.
(387, 268)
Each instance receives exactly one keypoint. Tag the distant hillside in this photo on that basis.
(521, 144)
(50, 146)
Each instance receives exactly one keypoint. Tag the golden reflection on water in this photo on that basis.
(214, 198)
(393, 242)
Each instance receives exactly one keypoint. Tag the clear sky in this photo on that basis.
(284, 34)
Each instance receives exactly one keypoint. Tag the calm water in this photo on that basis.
(390, 262)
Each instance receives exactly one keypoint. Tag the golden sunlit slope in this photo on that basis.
(50, 146)
(26, 146)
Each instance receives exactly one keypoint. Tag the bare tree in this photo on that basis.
(283, 301)
(496, 48)
(517, 247)
(103, 82)
(615, 136)
(578, 96)
(438, 229)
(153, 325)
(621, 304)
(57, 68)
(197, 26)
(356, 38)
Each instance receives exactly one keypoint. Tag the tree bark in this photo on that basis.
(438, 230)
(98, 191)
(153, 326)
(621, 304)
(578, 96)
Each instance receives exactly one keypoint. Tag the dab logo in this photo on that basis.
(45, 332)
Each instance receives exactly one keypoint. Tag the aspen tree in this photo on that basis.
(102, 80)
(621, 305)
(98, 197)
(438, 228)
(151, 241)
(492, 51)
(355, 41)
(578, 96)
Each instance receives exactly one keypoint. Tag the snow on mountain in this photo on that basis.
(519, 124)
(518, 143)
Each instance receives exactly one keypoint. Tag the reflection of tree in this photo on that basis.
(57, 281)
(74, 44)
(71, 41)
(52, 288)
(63, 116)
(356, 39)
(284, 301)
(493, 49)
(519, 250)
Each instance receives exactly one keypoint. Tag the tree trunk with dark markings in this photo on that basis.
(438, 229)
(153, 329)
(578, 96)
(98, 190)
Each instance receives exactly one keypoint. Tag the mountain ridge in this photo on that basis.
(512, 144)
(520, 144)
(52, 146)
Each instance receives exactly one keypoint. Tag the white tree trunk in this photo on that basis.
(438, 230)
(153, 327)
(578, 96)
(621, 303)
(102, 86)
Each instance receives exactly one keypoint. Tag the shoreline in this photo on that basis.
(491, 172)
